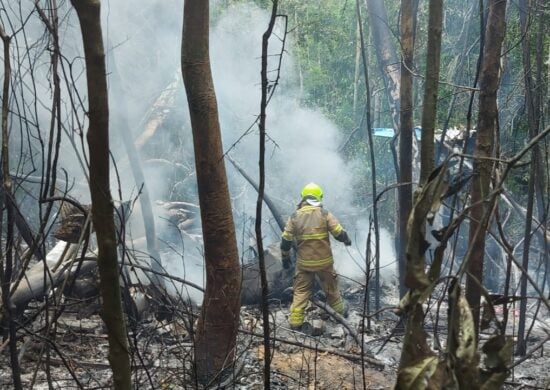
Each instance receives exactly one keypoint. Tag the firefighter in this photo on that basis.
(309, 227)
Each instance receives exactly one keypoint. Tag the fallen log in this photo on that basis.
(44, 275)
(190, 207)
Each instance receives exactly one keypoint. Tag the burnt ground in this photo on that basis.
(76, 354)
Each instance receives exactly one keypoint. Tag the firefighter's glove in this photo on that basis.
(287, 262)
(343, 237)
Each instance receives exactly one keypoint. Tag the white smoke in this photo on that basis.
(142, 42)
(304, 142)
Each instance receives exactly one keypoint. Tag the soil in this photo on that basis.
(75, 355)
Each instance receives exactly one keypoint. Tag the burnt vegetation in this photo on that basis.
(148, 170)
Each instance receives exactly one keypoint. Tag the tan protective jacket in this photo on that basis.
(309, 226)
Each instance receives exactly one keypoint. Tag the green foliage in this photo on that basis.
(324, 36)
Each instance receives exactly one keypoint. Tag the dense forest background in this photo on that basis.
(424, 122)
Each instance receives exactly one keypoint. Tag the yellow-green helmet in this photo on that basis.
(314, 190)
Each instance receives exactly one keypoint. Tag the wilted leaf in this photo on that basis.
(462, 339)
(427, 203)
(415, 345)
(435, 187)
(417, 375)
(467, 335)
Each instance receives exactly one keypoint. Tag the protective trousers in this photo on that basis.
(303, 284)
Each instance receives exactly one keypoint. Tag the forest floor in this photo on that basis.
(76, 357)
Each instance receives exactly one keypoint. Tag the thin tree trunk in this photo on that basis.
(6, 259)
(259, 203)
(356, 74)
(541, 184)
(373, 168)
(532, 105)
(521, 346)
(487, 116)
(431, 83)
(404, 192)
(216, 332)
(102, 205)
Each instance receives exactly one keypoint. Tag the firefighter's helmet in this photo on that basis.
(314, 190)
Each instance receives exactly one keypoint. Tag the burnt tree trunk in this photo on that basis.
(217, 326)
(102, 205)
(481, 180)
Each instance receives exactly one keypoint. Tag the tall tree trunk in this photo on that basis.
(386, 54)
(259, 203)
(388, 65)
(370, 142)
(414, 343)
(356, 74)
(217, 327)
(536, 178)
(541, 184)
(481, 180)
(431, 83)
(404, 192)
(6, 258)
(102, 205)
(521, 347)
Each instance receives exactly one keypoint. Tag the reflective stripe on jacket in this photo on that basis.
(309, 226)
